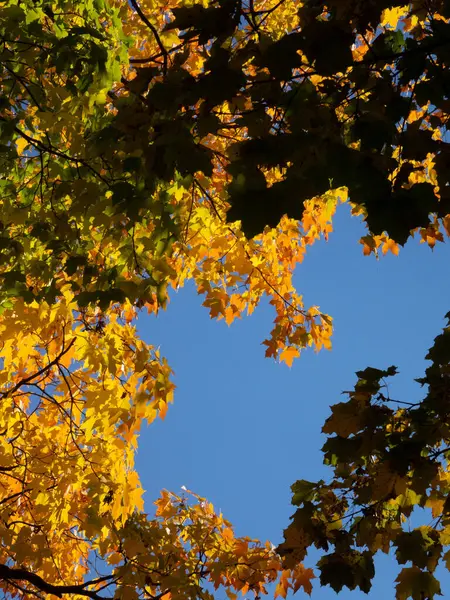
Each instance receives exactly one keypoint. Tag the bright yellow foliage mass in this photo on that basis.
(77, 383)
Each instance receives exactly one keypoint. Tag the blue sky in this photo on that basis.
(243, 428)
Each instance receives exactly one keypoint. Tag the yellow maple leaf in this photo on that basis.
(391, 16)
(288, 355)
(227, 534)
(21, 144)
(390, 245)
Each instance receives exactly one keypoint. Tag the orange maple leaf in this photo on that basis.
(288, 355)
(302, 578)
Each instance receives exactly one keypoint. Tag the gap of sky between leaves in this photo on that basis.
(243, 428)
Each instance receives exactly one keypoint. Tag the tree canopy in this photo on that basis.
(389, 459)
(146, 143)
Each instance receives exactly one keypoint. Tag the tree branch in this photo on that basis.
(40, 372)
(153, 29)
(51, 150)
(10, 574)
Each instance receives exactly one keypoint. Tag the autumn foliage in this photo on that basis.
(145, 144)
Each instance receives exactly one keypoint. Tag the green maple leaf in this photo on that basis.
(416, 584)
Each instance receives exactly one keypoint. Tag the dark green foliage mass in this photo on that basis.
(389, 458)
(326, 115)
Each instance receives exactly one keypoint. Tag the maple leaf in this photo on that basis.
(302, 579)
(416, 584)
(347, 418)
(288, 354)
(391, 16)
